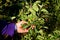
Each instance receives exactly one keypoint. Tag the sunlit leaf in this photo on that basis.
(35, 7)
(31, 10)
(45, 11)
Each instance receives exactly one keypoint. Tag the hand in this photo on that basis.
(20, 28)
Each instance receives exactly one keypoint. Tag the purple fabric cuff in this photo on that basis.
(9, 29)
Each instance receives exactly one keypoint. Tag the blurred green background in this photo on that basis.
(44, 14)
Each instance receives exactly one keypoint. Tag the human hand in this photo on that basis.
(20, 28)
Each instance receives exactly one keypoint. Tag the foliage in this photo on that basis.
(44, 14)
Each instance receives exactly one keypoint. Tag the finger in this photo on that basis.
(26, 30)
(24, 22)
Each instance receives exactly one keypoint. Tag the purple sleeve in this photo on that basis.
(15, 27)
(9, 29)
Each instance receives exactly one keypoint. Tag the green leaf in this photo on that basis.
(58, 18)
(37, 2)
(27, 7)
(41, 32)
(41, 20)
(31, 10)
(24, 26)
(44, 11)
(35, 7)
